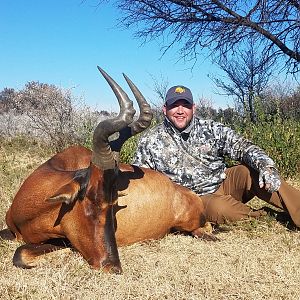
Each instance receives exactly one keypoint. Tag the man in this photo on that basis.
(191, 152)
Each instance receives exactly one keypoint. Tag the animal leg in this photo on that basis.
(205, 232)
(7, 234)
(26, 255)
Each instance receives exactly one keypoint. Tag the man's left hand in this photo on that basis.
(269, 179)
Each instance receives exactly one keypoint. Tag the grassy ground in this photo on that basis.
(254, 259)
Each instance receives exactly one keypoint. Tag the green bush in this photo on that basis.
(128, 150)
(278, 136)
(129, 147)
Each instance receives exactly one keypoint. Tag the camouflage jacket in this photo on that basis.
(195, 157)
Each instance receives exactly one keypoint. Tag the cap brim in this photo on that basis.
(173, 100)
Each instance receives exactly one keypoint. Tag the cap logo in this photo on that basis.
(179, 90)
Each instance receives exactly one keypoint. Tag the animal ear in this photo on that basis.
(66, 193)
(76, 188)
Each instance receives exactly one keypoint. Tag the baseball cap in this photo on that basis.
(179, 92)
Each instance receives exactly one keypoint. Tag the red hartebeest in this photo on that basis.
(88, 198)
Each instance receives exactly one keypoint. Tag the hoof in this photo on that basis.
(257, 213)
(209, 237)
(205, 233)
(6, 234)
(23, 258)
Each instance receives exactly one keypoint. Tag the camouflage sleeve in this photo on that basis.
(241, 149)
(142, 156)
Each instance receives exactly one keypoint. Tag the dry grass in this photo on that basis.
(253, 259)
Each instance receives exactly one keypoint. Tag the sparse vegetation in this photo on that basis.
(48, 114)
(254, 259)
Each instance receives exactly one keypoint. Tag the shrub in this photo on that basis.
(278, 136)
(49, 114)
(128, 150)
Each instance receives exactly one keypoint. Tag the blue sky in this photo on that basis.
(62, 41)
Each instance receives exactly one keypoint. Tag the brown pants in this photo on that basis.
(240, 186)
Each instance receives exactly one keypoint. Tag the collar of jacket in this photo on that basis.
(173, 130)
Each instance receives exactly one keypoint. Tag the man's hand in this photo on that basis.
(269, 179)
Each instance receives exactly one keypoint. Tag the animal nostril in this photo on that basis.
(116, 270)
(112, 269)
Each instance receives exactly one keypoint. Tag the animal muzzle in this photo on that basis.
(112, 262)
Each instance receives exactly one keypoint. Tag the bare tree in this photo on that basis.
(160, 88)
(48, 113)
(205, 110)
(246, 76)
(50, 110)
(228, 116)
(282, 99)
(6, 99)
(221, 26)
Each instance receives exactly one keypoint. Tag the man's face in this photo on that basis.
(179, 113)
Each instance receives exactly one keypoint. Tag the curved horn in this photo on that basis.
(102, 154)
(137, 126)
(146, 114)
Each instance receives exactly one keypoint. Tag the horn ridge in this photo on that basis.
(146, 113)
(124, 102)
(103, 156)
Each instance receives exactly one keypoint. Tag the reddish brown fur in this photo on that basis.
(152, 205)
(148, 207)
(35, 220)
